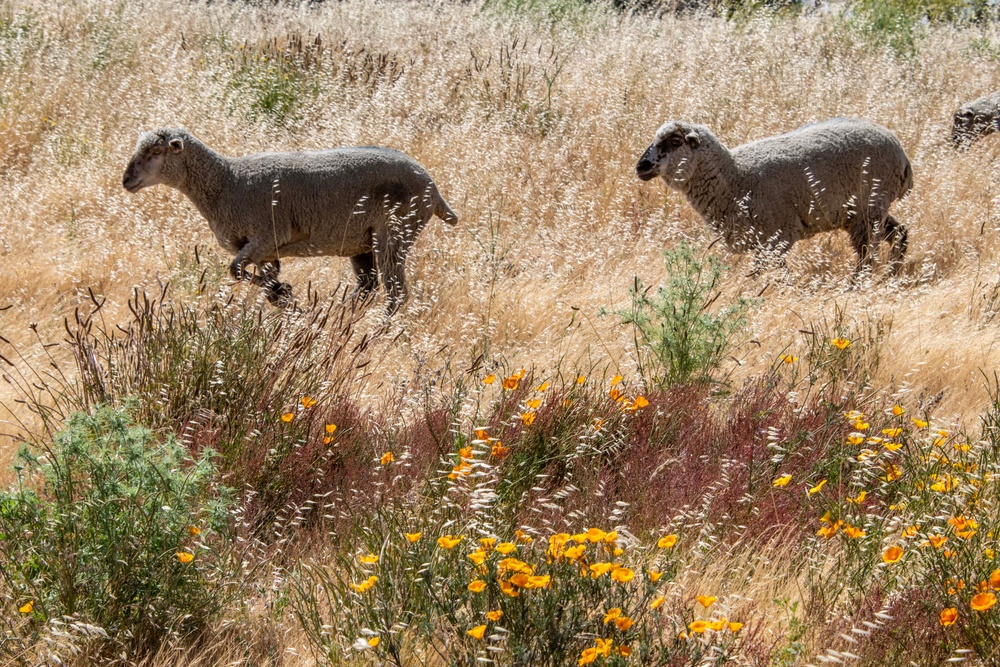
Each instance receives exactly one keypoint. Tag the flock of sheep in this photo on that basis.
(370, 204)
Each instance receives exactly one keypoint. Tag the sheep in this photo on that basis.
(766, 195)
(365, 203)
(976, 119)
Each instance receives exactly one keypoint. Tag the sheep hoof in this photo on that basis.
(280, 294)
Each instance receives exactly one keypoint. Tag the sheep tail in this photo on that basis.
(442, 210)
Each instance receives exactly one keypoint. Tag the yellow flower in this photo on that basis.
(624, 623)
(595, 535)
(853, 532)
(370, 559)
(667, 541)
(892, 555)
(622, 575)
(478, 556)
(542, 387)
(412, 537)
(477, 632)
(995, 579)
(840, 343)
(519, 374)
(330, 428)
(616, 395)
(789, 359)
(513, 565)
(588, 656)
(506, 547)
(982, 601)
(387, 458)
(522, 536)
(185, 556)
(572, 553)
(498, 451)
(27, 607)
(616, 379)
(892, 432)
(898, 410)
(892, 473)
(521, 580)
(308, 402)
(449, 542)
(510, 384)
(862, 425)
(287, 417)
(698, 626)
(654, 575)
(948, 616)
(781, 481)
(893, 446)
(612, 614)
(859, 499)
(508, 588)
(534, 403)
(735, 627)
(655, 604)
(194, 531)
(603, 646)
(919, 423)
(817, 488)
(717, 625)
(494, 615)
(373, 641)
(598, 570)
(623, 651)
(365, 585)
(855, 439)
(528, 418)
(706, 600)
(580, 379)
(936, 540)
(477, 586)
(490, 379)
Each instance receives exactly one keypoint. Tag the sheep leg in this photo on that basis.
(267, 278)
(391, 264)
(896, 236)
(367, 275)
(861, 239)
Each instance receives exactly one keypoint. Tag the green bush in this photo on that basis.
(99, 526)
(678, 339)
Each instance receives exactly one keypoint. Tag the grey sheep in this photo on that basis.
(766, 195)
(976, 119)
(368, 204)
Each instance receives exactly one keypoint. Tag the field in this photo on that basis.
(514, 398)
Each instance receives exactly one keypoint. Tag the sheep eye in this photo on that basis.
(674, 142)
(156, 150)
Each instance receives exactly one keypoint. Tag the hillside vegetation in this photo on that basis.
(590, 437)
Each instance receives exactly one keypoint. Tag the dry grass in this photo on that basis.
(531, 130)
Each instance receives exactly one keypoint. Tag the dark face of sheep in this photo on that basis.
(156, 160)
(673, 148)
(969, 125)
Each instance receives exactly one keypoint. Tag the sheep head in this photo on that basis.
(674, 148)
(158, 158)
(972, 121)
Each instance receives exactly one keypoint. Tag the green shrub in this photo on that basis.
(678, 340)
(98, 527)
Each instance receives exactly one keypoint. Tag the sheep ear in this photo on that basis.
(693, 139)
(176, 145)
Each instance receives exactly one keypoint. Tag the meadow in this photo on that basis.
(590, 437)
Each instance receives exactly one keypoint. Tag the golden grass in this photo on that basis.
(552, 174)
(531, 130)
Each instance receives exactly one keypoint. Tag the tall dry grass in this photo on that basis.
(531, 127)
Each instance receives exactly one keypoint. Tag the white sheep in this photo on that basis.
(368, 204)
(766, 195)
(976, 119)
